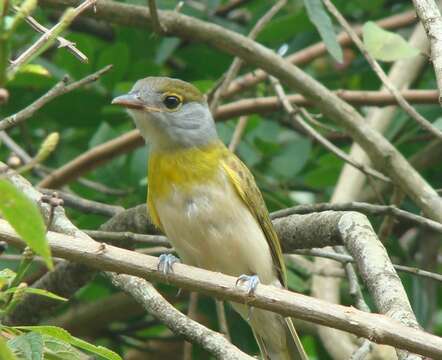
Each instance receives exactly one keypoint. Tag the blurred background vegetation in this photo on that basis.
(290, 168)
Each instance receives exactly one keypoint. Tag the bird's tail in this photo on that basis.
(276, 336)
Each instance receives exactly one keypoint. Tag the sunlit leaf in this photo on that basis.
(36, 291)
(28, 346)
(56, 349)
(5, 352)
(319, 17)
(6, 277)
(25, 218)
(63, 335)
(385, 45)
(166, 49)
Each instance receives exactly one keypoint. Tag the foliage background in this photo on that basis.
(290, 169)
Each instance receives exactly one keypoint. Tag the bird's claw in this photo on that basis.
(165, 263)
(251, 281)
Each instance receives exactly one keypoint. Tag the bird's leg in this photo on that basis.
(251, 281)
(165, 263)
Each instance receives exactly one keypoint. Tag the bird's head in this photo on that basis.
(169, 113)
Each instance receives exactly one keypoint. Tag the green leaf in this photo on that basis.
(385, 45)
(55, 349)
(28, 346)
(166, 49)
(292, 158)
(25, 218)
(63, 335)
(5, 352)
(6, 277)
(36, 291)
(438, 123)
(320, 18)
(118, 55)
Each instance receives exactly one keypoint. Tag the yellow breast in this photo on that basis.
(183, 168)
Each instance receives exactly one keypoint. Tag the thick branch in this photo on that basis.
(377, 328)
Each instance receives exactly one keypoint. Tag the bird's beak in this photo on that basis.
(129, 101)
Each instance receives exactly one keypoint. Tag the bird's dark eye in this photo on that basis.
(172, 102)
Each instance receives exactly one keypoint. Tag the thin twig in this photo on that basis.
(237, 62)
(191, 314)
(354, 287)
(59, 89)
(237, 134)
(62, 42)
(362, 352)
(410, 110)
(431, 19)
(109, 236)
(156, 25)
(222, 319)
(310, 53)
(84, 205)
(343, 258)
(152, 301)
(365, 208)
(387, 224)
(293, 111)
(48, 37)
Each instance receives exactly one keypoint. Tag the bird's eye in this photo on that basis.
(172, 102)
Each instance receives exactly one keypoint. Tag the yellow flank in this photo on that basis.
(182, 169)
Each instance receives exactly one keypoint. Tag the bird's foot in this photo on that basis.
(165, 263)
(251, 282)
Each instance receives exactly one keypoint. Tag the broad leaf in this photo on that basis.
(36, 291)
(438, 123)
(63, 335)
(5, 352)
(385, 45)
(28, 346)
(319, 17)
(292, 158)
(25, 218)
(166, 49)
(55, 349)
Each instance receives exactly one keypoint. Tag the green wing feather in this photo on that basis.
(245, 185)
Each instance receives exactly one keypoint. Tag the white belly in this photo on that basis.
(213, 229)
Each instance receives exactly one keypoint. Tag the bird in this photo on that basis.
(206, 201)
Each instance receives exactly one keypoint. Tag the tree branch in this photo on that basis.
(314, 51)
(383, 154)
(152, 301)
(411, 111)
(59, 89)
(431, 19)
(377, 328)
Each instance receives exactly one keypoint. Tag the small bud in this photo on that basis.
(27, 253)
(47, 147)
(14, 161)
(4, 96)
(20, 292)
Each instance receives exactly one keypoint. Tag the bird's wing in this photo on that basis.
(245, 185)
